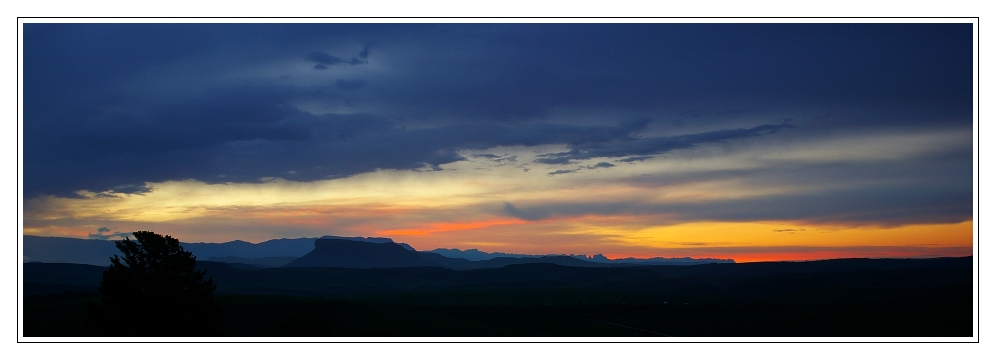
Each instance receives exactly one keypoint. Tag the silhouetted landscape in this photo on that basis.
(768, 177)
(375, 287)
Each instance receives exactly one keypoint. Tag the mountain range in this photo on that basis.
(326, 251)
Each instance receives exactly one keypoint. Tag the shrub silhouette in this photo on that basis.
(155, 290)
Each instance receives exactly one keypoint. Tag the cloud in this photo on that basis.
(500, 160)
(879, 205)
(635, 158)
(600, 165)
(486, 156)
(131, 189)
(103, 233)
(562, 158)
(525, 214)
(561, 172)
(654, 145)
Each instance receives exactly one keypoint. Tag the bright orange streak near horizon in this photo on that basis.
(768, 234)
(749, 242)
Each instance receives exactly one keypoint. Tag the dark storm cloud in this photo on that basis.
(133, 143)
(249, 134)
(113, 106)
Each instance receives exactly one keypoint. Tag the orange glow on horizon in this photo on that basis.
(768, 234)
(743, 242)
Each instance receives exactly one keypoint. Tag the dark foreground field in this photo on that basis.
(851, 298)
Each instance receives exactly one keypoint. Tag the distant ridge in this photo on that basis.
(476, 255)
(479, 256)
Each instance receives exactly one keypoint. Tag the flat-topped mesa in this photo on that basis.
(375, 240)
(353, 253)
(358, 238)
(326, 241)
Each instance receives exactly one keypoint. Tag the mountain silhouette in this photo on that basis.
(270, 253)
(280, 252)
(270, 248)
(347, 253)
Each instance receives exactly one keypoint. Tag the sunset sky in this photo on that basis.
(744, 141)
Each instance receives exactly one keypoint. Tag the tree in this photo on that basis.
(155, 290)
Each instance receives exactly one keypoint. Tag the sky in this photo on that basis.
(745, 141)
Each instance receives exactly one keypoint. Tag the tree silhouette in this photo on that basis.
(155, 290)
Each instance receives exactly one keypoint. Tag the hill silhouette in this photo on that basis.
(875, 275)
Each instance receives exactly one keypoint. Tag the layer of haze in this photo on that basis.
(745, 141)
